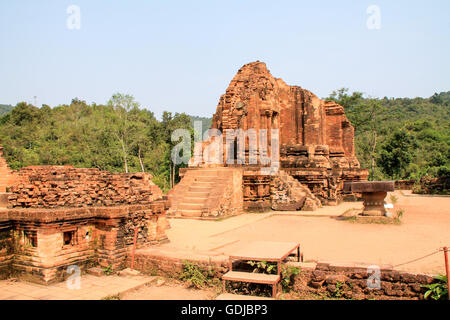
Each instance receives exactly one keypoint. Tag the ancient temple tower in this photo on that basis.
(313, 133)
(314, 138)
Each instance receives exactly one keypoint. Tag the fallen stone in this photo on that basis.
(95, 271)
(335, 278)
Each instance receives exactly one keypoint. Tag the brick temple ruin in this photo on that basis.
(53, 217)
(315, 155)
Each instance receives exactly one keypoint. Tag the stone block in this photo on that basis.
(95, 271)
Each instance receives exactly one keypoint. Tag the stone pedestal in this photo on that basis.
(374, 203)
(373, 194)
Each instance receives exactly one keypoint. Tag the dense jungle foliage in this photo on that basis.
(119, 137)
(400, 138)
(397, 138)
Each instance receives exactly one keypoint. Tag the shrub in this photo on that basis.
(108, 270)
(263, 267)
(193, 274)
(438, 290)
(287, 273)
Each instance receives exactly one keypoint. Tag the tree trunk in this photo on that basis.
(140, 159)
(173, 176)
(125, 161)
(373, 153)
(170, 175)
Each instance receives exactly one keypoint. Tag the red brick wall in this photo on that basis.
(100, 209)
(349, 281)
(6, 248)
(101, 235)
(66, 186)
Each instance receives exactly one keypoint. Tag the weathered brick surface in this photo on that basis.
(60, 216)
(290, 195)
(101, 235)
(316, 143)
(349, 281)
(346, 281)
(427, 185)
(316, 138)
(166, 266)
(6, 247)
(404, 184)
(66, 186)
(257, 196)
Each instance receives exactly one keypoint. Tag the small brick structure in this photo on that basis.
(404, 184)
(59, 216)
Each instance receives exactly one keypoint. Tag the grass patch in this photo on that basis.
(108, 270)
(112, 297)
(197, 276)
(372, 220)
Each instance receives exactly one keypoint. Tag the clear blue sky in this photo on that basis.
(180, 55)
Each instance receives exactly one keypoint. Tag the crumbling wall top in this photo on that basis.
(66, 186)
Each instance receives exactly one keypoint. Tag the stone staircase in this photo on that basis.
(197, 194)
(207, 193)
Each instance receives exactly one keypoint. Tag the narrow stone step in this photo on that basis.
(190, 206)
(197, 194)
(251, 277)
(206, 178)
(200, 189)
(204, 183)
(230, 296)
(190, 200)
(206, 173)
(190, 213)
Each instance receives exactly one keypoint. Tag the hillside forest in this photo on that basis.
(395, 138)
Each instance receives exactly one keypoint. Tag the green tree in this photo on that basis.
(365, 116)
(397, 153)
(122, 127)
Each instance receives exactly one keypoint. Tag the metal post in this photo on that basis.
(447, 270)
(134, 247)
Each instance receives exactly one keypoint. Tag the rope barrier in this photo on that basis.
(447, 271)
(426, 256)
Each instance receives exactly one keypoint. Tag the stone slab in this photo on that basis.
(369, 186)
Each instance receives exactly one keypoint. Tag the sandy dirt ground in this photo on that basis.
(424, 229)
(168, 291)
